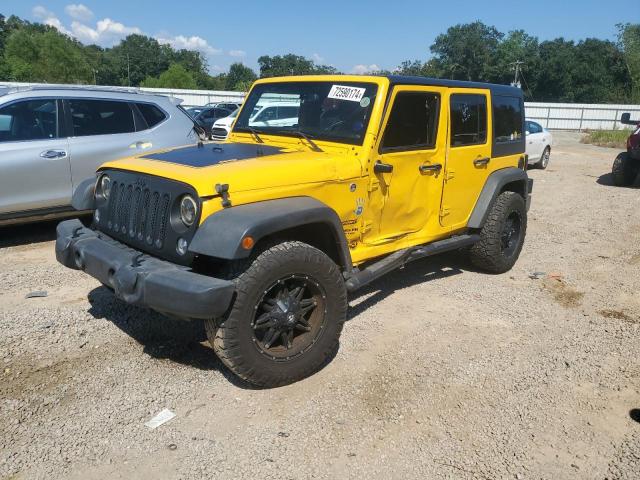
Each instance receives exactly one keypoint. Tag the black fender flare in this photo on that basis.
(221, 234)
(493, 187)
(84, 195)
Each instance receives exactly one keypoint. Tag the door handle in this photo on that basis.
(434, 167)
(380, 167)
(53, 154)
(479, 162)
(141, 145)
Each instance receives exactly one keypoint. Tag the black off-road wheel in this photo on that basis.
(624, 170)
(286, 320)
(502, 236)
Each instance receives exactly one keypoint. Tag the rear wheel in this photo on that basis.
(502, 235)
(544, 159)
(287, 317)
(624, 170)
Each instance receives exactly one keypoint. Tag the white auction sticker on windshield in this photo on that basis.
(341, 92)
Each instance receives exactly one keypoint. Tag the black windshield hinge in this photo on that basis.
(223, 191)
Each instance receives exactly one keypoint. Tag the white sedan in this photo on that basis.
(539, 142)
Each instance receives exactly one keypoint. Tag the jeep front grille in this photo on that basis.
(139, 212)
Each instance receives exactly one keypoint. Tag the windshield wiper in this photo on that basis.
(303, 135)
(253, 132)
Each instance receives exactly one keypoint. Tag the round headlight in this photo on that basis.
(104, 186)
(188, 210)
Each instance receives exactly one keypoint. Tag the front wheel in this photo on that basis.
(286, 319)
(502, 235)
(624, 170)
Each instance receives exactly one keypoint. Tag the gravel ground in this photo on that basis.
(443, 372)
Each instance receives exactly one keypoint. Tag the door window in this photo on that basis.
(413, 122)
(507, 119)
(29, 120)
(468, 119)
(100, 117)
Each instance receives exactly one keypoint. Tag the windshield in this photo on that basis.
(333, 111)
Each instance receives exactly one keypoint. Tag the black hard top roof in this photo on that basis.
(439, 82)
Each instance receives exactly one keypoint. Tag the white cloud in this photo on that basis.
(317, 58)
(49, 18)
(237, 53)
(78, 11)
(106, 33)
(363, 69)
(190, 43)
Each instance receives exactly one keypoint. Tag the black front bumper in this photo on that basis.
(141, 279)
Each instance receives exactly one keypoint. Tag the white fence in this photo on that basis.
(578, 116)
(554, 116)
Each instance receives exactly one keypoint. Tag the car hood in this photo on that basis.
(244, 166)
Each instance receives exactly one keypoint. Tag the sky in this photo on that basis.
(354, 36)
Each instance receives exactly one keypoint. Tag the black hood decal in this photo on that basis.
(214, 153)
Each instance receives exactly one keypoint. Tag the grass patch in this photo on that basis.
(607, 138)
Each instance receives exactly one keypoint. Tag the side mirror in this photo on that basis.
(625, 119)
(527, 132)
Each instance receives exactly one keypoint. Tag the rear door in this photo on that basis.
(101, 130)
(469, 154)
(34, 160)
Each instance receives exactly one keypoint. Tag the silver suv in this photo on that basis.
(51, 139)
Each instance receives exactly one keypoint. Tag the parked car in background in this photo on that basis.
(222, 127)
(539, 143)
(273, 114)
(51, 139)
(626, 166)
(208, 116)
(228, 105)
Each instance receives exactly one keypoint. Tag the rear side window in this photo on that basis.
(507, 119)
(100, 117)
(413, 122)
(468, 119)
(29, 120)
(534, 127)
(151, 114)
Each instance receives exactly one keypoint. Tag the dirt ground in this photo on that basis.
(443, 372)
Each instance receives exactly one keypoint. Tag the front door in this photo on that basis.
(410, 163)
(469, 154)
(34, 160)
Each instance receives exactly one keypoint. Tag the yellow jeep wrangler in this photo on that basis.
(325, 184)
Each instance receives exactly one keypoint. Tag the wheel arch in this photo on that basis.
(296, 218)
(504, 180)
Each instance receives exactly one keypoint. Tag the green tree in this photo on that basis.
(599, 73)
(516, 46)
(35, 56)
(466, 51)
(137, 57)
(176, 76)
(290, 64)
(239, 78)
(629, 44)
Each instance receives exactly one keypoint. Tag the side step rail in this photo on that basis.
(402, 257)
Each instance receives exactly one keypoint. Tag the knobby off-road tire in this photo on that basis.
(502, 235)
(624, 170)
(290, 274)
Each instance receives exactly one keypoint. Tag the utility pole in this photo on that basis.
(128, 70)
(517, 64)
